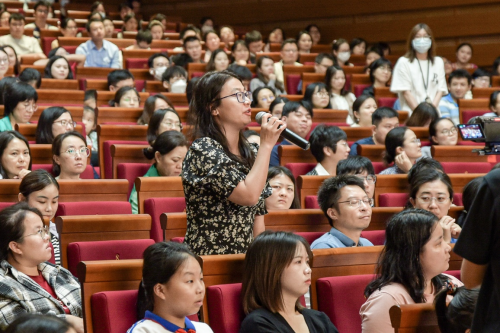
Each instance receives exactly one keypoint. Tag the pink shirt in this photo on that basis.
(375, 311)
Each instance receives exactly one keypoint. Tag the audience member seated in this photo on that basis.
(380, 75)
(362, 168)
(15, 153)
(321, 63)
(175, 79)
(227, 35)
(329, 147)
(40, 323)
(21, 43)
(212, 43)
(163, 120)
(4, 62)
(317, 96)
(157, 29)
(481, 78)
(70, 154)
(68, 28)
(126, 97)
(298, 119)
(342, 52)
(129, 24)
(41, 12)
(41, 191)
(109, 27)
(262, 97)
(125, 10)
(468, 195)
(276, 107)
(266, 77)
(143, 40)
(168, 152)
(253, 39)
(120, 78)
(459, 83)
(431, 190)
(358, 46)
(218, 61)
(304, 42)
(192, 47)
(13, 58)
(79, 59)
(28, 283)
(98, 51)
(284, 194)
(372, 54)
(158, 64)
(494, 105)
(240, 53)
(19, 105)
(403, 148)
(423, 165)
(165, 298)
(53, 121)
(363, 108)
(464, 54)
(31, 76)
(90, 98)
(153, 103)
(456, 316)
(348, 209)
(206, 24)
(4, 18)
(313, 30)
(289, 56)
(59, 68)
(252, 136)
(423, 115)
(277, 36)
(89, 120)
(384, 119)
(340, 97)
(281, 259)
(442, 132)
(410, 268)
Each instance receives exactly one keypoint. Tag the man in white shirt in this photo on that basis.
(98, 51)
(328, 146)
(289, 56)
(40, 14)
(22, 44)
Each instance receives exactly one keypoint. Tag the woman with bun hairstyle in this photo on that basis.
(168, 152)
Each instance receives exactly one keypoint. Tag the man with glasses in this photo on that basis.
(41, 13)
(21, 43)
(328, 146)
(459, 83)
(347, 207)
(362, 168)
(289, 56)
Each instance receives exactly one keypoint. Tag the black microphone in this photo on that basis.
(287, 134)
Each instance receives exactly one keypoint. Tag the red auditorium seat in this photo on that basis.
(299, 169)
(468, 114)
(377, 237)
(469, 167)
(93, 208)
(139, 63)
(311, 202)
(358, 89)
(386, 101)
(157, 206)
(311, 236)
(4, 205)
(400, 199)
(293, 83)
(130, 171)
(108, 161)
(343, 311)
(178, 239)
(114, 311)
(106, 250)
(455, 273)
(225, 310)
(87, 174)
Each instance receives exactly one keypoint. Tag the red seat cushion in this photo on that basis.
(225, 310)
(139, 63)
(455, 273)
(358, 89)
(400, 199)
(114, 311)
(343, 311)
(87, 174)
(156, 206)
(310, 237)
(386, 101)
(466, 167)
(292, 81)
(108, 161)
(130, 171)
(178, 239)
(93, 208)
(467, 115)
(47, 44)
(311, 202)
(377, 237)
(4, 205)
(106, 250)
(378, 167)
(299, 169)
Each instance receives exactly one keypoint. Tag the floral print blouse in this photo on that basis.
(216, 225)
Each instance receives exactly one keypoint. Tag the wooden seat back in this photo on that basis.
(295, 70)
(196, 68)
(474, 104)
(294, 154)
(59, 84)
(106, 275)
(154, 86)
(138, 54)
(157, 187)
(93, 190)
(115, 114)
(86, 228)
(414, 318)
(383, 92)
(308, 78)
(374, 152)
(127, 154)
(102, 73)
(457, 154)
(60, 96)
(330, 116)
(103, 97)
(483, 92)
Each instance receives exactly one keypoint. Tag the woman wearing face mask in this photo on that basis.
(342, 52)
(419, 75)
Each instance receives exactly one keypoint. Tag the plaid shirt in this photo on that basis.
(19, 294)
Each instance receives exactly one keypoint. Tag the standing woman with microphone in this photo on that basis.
(224, 176)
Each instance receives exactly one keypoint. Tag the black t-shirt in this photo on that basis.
(264, 321)
(479, 242)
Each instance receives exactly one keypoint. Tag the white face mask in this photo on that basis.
(421, 45)
(179, 87)
(344, 56)
(158, 72)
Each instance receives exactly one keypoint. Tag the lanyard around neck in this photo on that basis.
(426, 84)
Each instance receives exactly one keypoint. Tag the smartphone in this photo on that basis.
(471, 131)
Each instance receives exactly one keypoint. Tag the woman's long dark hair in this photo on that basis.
(309, 92)
(165, 143)
(394, 139)
(161, 261)
(44, 133)
(427, 176)
(48, 68)
(205, 99)
(281, 170)
(406, 235)
(155, 122)
(330, 73)
(278, 84)
(5, 138)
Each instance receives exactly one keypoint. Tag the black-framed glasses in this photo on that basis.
(370, 179)
(357, 202)
(240, 96)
